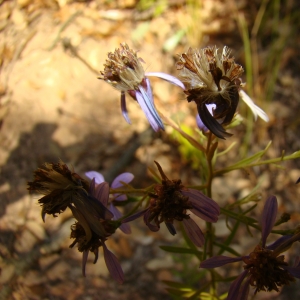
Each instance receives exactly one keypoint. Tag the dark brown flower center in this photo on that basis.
(168, 203)
(266, 271)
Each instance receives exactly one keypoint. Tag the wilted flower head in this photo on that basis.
(59, 185)
(212, 78)
(265, 268)
(117, 183)
(171, 201)
(124, 71)
(65, 189)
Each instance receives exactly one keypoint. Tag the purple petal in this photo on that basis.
(93, 174)
(268, 218)
(92, 187)
(149, 89)
(279, 242)
(152, 227)
(113, 265)
(234, 289)
(124, 177)
(85, 255)
(124, 108)
(294, 271)
(244, 290)
(149, 109)
(134, 216)
(194, 232)
(171, 228)
(167, 77)
(218, 261)
(102, 193)
(117, 215)
(120, 197)
(203, 207)
(124, 227)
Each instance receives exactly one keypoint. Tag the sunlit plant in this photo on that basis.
(211, 79)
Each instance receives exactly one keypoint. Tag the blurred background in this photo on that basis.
(52, 106)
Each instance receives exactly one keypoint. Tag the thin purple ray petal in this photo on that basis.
(85, 255)
(234, 289)
(92, 187)
(218, 261)
(93, 174)
(149, 109)
(124, 108)
(171, 228)
(294, 271)
(167, 77)
(120, 197)
(102, 193)
(203, 207)
(244, 290)
(124, 177)
(197, 196)
(134, 216)
(149, 89)
(117, 215)
(279, 242)
(268, 218)
(194, 232)
(113, 265)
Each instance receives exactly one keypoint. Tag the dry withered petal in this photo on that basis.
(59, 185)
(171, 201)
(211, 78)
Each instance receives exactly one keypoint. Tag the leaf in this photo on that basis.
(180, 250)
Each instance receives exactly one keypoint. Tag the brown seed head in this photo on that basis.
(123, 69)
(266, 271)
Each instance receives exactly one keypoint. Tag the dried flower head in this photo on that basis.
(124, 71)
(59, 185)
(265, 268)
(171, 201)
(213, 78)
(65, 189)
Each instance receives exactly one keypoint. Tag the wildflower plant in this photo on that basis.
(212, 80)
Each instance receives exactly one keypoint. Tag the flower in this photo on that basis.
(170, 201)
(117, 183)
(265, 268)
(124, 71)
(65, 189)
(59, 185)
(211, 78)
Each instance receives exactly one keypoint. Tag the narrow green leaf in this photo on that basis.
(180, 250)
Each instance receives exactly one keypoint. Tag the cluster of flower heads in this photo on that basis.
(96, 214)
(210, 79)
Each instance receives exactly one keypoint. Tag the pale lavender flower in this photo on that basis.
(117, 183)
(265, 268)
(124, 71)
(171, 201)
